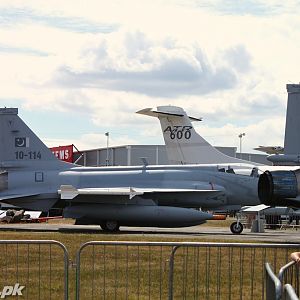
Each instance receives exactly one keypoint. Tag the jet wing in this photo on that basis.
(69, 192)
(254, 208)
(270, 149)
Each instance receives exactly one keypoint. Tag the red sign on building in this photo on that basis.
(64, 153)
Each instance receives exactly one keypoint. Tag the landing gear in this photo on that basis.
(110, 226)
(236, 227)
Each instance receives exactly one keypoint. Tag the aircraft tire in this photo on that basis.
(236, 227)
(110, 226)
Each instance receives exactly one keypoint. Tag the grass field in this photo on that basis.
(136, 272)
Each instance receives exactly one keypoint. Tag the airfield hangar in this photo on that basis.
(130, 155)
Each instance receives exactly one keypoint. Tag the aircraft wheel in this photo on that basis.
(236, 227)
(110, 226)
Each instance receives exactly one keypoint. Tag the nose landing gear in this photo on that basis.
(236, 227)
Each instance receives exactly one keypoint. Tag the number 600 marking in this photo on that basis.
(179, 135)
(179, 132)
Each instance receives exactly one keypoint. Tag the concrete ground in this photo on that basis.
(288, 235)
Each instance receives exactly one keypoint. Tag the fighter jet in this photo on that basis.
(31, 177)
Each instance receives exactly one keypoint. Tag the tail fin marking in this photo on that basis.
(20, 147)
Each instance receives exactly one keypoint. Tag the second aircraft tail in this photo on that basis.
(184, 145)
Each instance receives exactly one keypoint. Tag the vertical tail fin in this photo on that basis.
(20, 147)
(184, 145)
(292, 136)
(291, 152)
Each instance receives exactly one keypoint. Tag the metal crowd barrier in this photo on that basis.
(39, 269)
(167, 270)
(284, 286)
(34, 269)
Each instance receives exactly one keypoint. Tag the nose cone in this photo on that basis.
(181, 217)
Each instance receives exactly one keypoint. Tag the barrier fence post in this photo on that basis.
(273, 284)
(171, 271)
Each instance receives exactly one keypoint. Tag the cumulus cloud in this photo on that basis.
(155, 69)
(239, 58)
(248, 107)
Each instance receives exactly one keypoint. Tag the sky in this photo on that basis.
(78, 69)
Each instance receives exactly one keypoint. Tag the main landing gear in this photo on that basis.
(110, 226)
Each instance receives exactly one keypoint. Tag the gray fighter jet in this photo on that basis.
(31, 177)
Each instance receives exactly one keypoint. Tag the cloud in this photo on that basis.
(246, 108)
(252, 7)
(268, 132)
(155, 68)
(16, 16)
(21, 50)
(239, 58)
